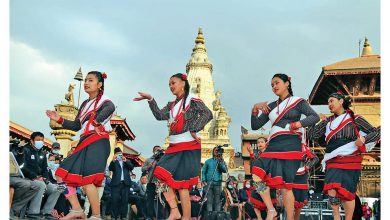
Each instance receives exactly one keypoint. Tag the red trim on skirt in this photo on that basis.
(299, 205)
(259, 204)
(191, 145)
(276, 182)
(166, 177)
(341, 192)
(283, 155)
(89, 140)
(77, 180)
(72, 179)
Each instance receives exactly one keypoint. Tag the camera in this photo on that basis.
(220, 150)
(14, 143)
(159, 154)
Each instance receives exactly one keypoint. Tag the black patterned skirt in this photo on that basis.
(258, 202)
(179, 168)
(87, 163)
(343, 181)
(300, 190)
(280, 161)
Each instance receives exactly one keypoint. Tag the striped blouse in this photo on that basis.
(348, 132)
(293, 115)
(196, 117)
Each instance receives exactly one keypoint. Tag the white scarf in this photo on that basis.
(346, 149)
(84, 112)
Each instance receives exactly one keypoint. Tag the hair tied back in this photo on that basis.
(104, 75)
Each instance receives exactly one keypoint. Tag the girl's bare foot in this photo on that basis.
(74, 214)
(175, 214)
(271, 214)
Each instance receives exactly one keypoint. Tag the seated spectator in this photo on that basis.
(55, 149)
(232, 203)
(244, 195)
(35, 168)
(23, 189)
(195, 198)
(136, 199)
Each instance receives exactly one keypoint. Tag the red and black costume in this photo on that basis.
(87, 163)
(179, 168)
(280, 161)
(342, 161)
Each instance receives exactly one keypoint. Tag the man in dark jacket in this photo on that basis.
(35, 168)
(120, 184)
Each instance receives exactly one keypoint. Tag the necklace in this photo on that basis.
(277, 112)
(330, 124)
(174, 117)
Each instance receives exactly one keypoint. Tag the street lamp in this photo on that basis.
(79, 77)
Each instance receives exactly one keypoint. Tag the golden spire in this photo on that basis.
(200, 38)
(367, 50)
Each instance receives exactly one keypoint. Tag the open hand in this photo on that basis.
(322, 117)
(262, 106)
(53, 115)
(142, 96)
(249, 148)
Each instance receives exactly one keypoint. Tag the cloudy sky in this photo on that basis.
(141, 43)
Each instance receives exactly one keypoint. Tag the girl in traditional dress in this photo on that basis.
(179, 168)
(282, 158)
(86, 165)
(255, 198)
(347, 136)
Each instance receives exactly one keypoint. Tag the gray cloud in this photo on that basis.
(140, 44)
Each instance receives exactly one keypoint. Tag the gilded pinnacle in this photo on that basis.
(367, 50)
(200, 38)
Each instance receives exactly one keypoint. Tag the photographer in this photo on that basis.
(120, 184)
(35, 168)
(150, 194)
(212, 176)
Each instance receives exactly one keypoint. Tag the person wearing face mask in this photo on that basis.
(244, 196)
(35, 167)
(232, 203)
(55, 148)
(120, 184)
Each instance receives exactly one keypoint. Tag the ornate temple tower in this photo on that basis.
(199, 70)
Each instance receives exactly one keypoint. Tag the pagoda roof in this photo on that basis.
(331, 76)
(23, 134)
(134, 155)
(369, 64)
(335, 77)
(122, 128)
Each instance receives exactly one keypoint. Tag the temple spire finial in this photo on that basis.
(367, 50)
(200, 38)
